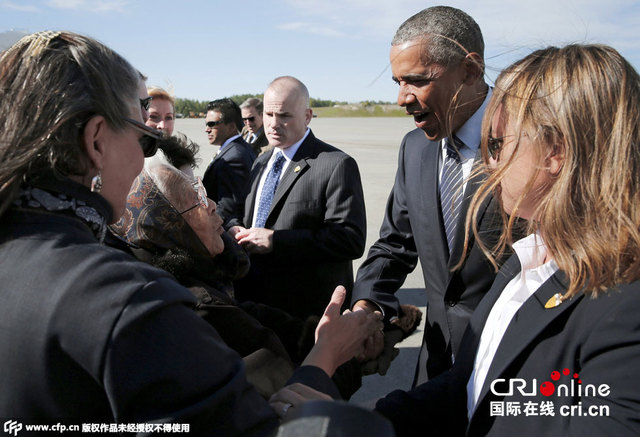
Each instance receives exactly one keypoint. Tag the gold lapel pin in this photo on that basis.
(555, 300)
(297, 169)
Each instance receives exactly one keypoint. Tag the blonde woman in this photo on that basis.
(554, 347)
(161, 110)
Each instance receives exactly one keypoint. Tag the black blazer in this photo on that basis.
(89, 334)
(597, 339)
(227, 176)
(319, 221)
(413, 229)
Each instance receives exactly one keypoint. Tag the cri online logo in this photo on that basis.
(573, 388)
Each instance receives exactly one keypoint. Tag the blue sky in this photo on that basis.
(339, 48)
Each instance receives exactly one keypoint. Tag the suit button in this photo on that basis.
(451, 303)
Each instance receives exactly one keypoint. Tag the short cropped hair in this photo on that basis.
(229, 111)
(450, 34)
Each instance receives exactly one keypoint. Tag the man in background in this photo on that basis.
(304, 218)
(227, 175)
(253, 130)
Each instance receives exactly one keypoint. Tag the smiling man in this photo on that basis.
(437, 62)
(304, 217)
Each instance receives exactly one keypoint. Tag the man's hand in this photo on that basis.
(375, 343)
(255, 240)
(233, 230)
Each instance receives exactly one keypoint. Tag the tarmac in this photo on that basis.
(374, 143)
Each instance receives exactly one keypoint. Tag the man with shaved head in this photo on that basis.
(304, 219)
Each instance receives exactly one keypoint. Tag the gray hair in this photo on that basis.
(449, 34)
(252, 102)
(51, 84)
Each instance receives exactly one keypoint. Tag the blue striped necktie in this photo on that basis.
(269, 189)
(451, 189)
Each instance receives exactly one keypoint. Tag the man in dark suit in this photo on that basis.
(437, 60)
(227, 175)
(304, 216)
(253, 130)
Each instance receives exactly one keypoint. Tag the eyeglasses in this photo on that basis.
(249, 119)
(201, 191)
(146, 103)
(148, 141)
(213, 123)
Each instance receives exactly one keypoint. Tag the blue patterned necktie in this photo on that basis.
(268, 190)
(451, 189)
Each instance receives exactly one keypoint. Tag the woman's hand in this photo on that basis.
(292, 396)
(341, 337)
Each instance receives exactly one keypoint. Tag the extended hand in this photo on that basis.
(255, 240)
(341, 337)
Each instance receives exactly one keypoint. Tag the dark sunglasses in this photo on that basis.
(213, 123)
(146, 103)
(201, 191)
(148, 141)
(249, 119)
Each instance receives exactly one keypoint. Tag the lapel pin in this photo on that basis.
(555, 300)
(297, 169)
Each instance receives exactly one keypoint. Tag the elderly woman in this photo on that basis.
(173, 225)
(90, 334)
(554, 347)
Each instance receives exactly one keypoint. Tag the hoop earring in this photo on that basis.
(96, 183)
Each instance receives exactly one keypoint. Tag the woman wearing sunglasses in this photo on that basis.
(88, 333)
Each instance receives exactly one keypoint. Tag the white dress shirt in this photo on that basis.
(532, 252)
(288, 153)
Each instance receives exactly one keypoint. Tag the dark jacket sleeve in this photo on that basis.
(232, 177)
(394, 255)
(191, 376)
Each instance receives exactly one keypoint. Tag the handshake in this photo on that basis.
(380, 349)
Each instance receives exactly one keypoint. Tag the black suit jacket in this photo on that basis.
(413, 229)
(227, 176)
(597, 339)
(89, 334)
(318, 216)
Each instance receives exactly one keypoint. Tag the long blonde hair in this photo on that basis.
(585, 100)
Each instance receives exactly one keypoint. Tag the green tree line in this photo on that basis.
(192, 107)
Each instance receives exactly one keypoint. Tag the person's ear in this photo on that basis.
(473, 66)
(555, 159)
(94, 141)
(308, 116)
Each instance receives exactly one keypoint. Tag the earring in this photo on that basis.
(96, 183)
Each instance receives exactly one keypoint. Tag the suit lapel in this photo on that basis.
(224, 151)
(528, 322)
(430, 181)
(295, 169)
(256, 173)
